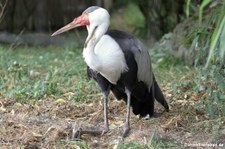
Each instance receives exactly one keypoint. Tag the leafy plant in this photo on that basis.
(157, 142)
(218, 35)
(201, 8)
(208, 44)
(187, 10)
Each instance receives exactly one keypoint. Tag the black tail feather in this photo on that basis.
(141, 103)
(159, 96)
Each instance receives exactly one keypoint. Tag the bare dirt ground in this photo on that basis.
(50, 122)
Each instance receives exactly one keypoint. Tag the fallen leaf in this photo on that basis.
(69, 94)
(74, 146)
(36, 135)
(2, 109)
(13, 112)
(60, 100)
(18, 104)
(115, 146)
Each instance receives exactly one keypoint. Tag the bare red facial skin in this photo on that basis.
(79, 21)
(82, 20)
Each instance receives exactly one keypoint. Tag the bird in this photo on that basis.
(119, 62)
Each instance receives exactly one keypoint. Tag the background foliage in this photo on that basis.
(186, 44)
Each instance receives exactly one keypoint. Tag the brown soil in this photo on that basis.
(50, 122)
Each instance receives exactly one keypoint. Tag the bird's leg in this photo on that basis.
(81, 131)
(106, 122)
(127, 123)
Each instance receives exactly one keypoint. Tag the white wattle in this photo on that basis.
(106, 58)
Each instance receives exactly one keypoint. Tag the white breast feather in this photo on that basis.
(109, 59)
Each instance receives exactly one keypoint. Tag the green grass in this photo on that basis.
(154, 142)
(28, 74)
(34, 72)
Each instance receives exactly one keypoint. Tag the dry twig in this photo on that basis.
(2, 9)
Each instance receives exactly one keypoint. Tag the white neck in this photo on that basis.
(95, 32)
(103, 54)
(94, 35)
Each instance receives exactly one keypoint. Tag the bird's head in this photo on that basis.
(92, 17)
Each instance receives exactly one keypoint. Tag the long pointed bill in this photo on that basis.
(79, 21)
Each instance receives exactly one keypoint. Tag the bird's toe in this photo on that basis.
(126, 131)
(147, 117)
(105, 130)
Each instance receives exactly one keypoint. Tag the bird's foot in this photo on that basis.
(147, 117)
(105, 130)
(126, 130)
(81, 131)
(77, 133)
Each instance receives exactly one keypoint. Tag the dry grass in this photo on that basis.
(42, 110)
(49, 122)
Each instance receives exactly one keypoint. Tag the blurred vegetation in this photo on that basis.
(28, 74)
(33, 73)
(160, 16)
(130, 19)
(146, 18)
(207, 42)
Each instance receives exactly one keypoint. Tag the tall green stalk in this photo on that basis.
(201, 8)
(218, 35)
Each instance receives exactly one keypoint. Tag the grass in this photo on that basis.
(34, 72)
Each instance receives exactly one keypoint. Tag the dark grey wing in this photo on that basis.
(131, 45)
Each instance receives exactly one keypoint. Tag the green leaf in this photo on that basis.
(201, 8)
(215, 39)
(211, 109)
(220, 81)
(187, 11)
(217, 34)
(222, 43)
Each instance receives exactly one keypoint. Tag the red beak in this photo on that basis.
(79, 21)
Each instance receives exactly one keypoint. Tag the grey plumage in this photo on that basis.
(143, 61)
(129, 43)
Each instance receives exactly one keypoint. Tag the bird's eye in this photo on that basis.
(87, 14)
